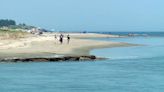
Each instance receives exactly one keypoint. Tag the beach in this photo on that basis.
(47, 45)
(129, 68)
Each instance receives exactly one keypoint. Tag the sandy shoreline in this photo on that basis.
(46, 45)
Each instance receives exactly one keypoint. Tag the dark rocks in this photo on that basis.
(54, 59)
(83, 58)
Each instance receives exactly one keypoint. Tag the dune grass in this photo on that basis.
(12, 34)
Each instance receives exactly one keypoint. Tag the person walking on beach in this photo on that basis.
(55, 39)
(68, 39)
(61, 38)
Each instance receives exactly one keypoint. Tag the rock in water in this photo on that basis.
(55, 59)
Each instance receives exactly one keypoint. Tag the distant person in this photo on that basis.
(55, 38)
(61, 38)
(68, 39)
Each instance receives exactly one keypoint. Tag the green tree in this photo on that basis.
(6, 22)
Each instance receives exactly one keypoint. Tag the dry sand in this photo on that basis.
(47, 45)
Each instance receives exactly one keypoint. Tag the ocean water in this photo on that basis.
(129, 69)
(155, 34)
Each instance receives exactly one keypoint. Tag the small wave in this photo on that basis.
(137, 58)
(125, 57)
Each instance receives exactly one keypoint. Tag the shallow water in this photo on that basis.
(130, 69)
(153, 47)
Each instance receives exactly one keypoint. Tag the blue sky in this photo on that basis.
(90, 15)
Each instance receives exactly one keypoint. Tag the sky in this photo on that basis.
(87, 15)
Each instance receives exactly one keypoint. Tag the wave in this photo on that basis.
(137, 58)
(124, 57)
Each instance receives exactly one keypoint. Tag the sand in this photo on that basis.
(47, 45)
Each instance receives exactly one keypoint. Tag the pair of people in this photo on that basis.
(61, 38)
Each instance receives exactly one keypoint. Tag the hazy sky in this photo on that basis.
(90, 15)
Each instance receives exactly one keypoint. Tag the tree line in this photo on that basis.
(7, 22)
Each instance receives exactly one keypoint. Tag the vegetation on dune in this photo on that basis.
(12, 34)
(10, 30)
